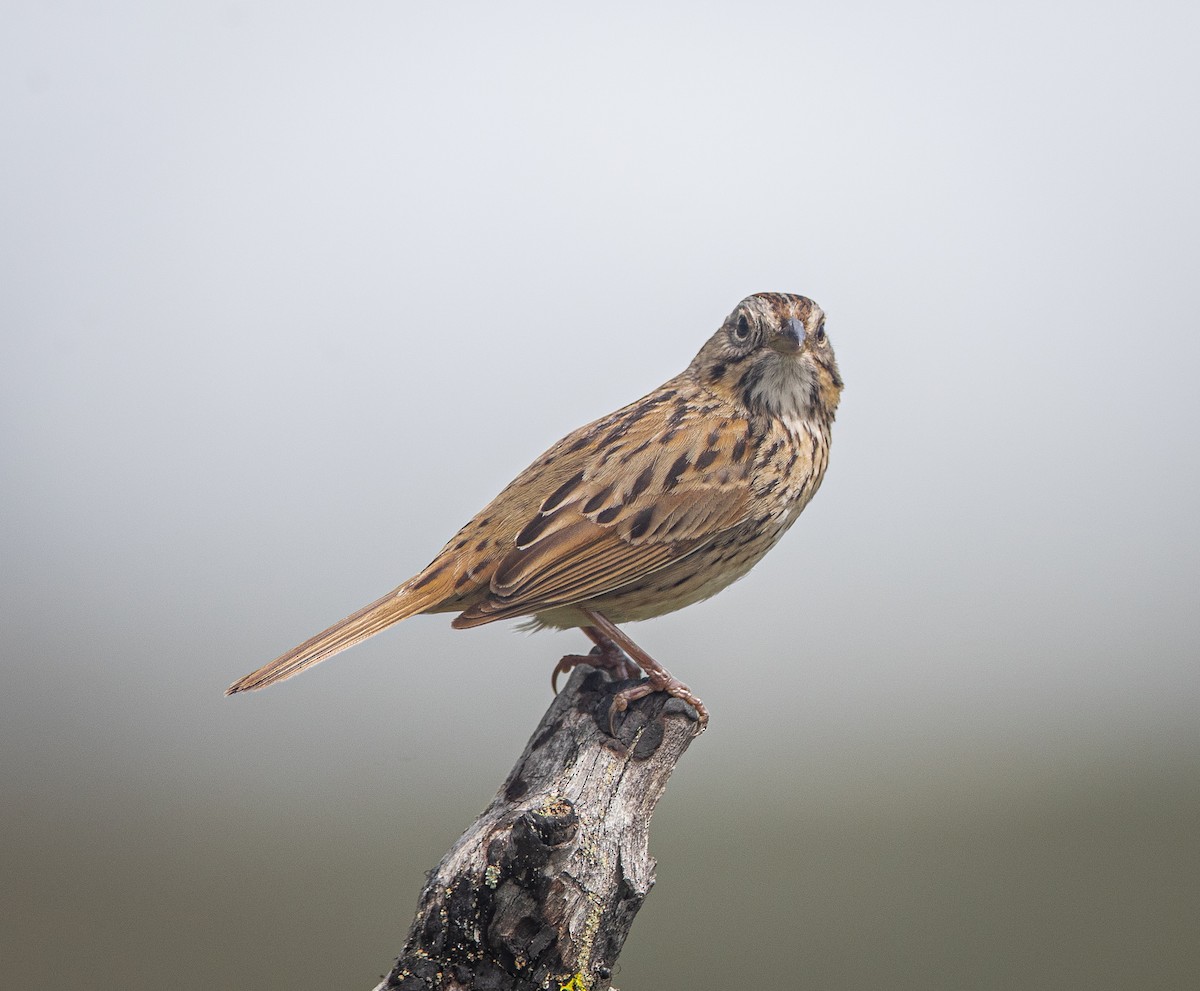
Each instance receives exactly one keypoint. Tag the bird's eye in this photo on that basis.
(741, 329)
(820, 335)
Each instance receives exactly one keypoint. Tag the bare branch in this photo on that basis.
(542, 889)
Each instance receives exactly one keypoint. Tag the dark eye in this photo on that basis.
(820, 335)
(741, 329)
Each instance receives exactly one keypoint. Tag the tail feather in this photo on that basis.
(368, 621)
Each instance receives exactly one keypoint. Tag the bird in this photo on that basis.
(654, 507)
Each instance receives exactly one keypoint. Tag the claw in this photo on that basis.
(567, 663)
(618, 706)
(674, 688)
(606, 655)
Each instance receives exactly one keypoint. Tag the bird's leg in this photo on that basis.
(605, 654)
(659, 679)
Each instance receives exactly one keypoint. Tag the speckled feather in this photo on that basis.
(658, 505)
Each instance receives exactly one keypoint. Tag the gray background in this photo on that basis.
(291, 290)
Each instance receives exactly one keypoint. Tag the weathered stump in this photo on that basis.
(542, 889)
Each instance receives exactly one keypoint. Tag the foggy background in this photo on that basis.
(291, 290)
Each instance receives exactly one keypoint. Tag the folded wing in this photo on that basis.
(661, 488)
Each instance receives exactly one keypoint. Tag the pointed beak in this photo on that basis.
(790, 338)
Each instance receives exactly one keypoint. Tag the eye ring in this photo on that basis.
(741, 329)
(820, 334)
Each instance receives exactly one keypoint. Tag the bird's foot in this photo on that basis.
(607, 656)
(669, 684)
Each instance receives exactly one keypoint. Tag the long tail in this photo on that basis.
(369, 620)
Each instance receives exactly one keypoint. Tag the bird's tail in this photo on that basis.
(369, 620)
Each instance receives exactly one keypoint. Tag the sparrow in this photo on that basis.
(661, 504)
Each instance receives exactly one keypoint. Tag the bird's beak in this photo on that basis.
(790, 338)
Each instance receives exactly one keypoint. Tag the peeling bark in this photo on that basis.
(542, 889)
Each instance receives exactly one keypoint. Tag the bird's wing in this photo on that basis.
(653, 483)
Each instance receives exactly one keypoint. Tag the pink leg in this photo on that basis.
(659, 679)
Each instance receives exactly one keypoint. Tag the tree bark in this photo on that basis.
(542, 889)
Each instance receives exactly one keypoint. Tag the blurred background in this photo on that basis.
(291, 290)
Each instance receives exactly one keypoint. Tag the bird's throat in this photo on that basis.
(788, 388)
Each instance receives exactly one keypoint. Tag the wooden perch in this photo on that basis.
(541, 891)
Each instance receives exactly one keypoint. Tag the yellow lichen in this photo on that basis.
(591, 927)
(555, 806)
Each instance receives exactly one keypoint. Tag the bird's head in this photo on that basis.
(772, 355)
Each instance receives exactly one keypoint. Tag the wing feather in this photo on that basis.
(651, 488)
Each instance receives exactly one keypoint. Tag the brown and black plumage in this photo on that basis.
(661, 504)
